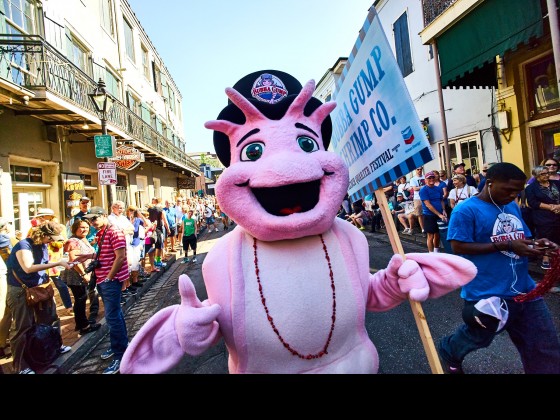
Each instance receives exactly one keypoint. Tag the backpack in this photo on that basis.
(42, 346)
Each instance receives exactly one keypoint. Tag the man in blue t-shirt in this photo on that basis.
(488, 230)
(433, 210)
(171, 215)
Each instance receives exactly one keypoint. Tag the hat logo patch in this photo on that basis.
(269, 88)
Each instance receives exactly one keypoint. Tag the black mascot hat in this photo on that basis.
(271, 92)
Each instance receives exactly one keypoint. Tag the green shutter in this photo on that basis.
(494, 27)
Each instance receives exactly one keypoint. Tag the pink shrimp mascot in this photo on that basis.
(289, 287)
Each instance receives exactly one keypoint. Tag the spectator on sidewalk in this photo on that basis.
(28, 263)
(432, 210)
(190, 234)
(461, 191)
(118, 219)
(488, 230)
(543, 197)
(171, 216)
(76, 277)
(111, 273)
(417, 182)
(459, 169)
(157, 217)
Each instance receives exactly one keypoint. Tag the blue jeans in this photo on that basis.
(110, 292)
(530, 328)
(62, 291)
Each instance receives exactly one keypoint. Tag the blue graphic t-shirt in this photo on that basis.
(504, 274)
(434, 195)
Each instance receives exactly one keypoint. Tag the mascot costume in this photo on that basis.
(289, 287)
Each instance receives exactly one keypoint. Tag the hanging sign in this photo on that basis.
(104, 146)
(186, 183)
(127, 157)
(107, 173)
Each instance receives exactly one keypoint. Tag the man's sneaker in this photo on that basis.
(186, 260)
(555, 289)
(113, 368)
(209, 230)
(194, 259)
(65, 349)
(131, 291)
(27, 371)
(107, 354)
(545, 265)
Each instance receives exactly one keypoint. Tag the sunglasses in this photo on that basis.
(550, 164)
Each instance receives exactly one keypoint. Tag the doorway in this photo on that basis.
(465, 149)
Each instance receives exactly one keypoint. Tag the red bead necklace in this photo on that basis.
(271, 320)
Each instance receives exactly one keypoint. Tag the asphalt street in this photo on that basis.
(394, 332)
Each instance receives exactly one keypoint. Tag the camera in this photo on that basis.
(92, 266)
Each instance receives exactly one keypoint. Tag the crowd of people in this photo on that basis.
(102, 254)
(423, 203)
(98, 254)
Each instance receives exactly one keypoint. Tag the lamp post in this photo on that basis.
(103, 102)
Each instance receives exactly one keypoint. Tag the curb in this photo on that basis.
(85, 343)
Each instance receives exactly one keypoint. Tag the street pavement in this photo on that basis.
(394, 332)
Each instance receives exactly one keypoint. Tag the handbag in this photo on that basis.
(71, 277)
(38, 294)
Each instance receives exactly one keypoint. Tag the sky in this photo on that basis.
(208, 45)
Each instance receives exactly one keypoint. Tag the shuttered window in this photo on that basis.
(402, 44)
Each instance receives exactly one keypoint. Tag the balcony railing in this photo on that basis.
(434, 8)
(30, 62)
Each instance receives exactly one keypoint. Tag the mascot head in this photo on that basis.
(280, 181)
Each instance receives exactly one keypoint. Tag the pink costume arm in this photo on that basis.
(421, 276)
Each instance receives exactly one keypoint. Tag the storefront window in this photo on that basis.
(543, 86)
(26, 174)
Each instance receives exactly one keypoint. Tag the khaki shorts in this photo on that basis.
(418, 208)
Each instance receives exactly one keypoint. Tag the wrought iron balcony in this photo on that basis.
(434, 8)
(29, 62)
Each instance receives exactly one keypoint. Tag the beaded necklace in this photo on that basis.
(271, 320)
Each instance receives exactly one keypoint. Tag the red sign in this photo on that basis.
(127, 157)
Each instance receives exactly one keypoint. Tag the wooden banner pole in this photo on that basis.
(419, 317)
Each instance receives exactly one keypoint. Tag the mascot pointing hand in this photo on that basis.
(289, 287)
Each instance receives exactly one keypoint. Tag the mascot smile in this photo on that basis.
(289, 287)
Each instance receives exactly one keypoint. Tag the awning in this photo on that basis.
(491, 29)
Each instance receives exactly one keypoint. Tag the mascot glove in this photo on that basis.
(409, 276)
(195, 322)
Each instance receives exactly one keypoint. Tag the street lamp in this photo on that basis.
(103, 102)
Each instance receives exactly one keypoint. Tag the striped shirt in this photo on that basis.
(114, 239)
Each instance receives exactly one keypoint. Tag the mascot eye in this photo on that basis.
(307, 144)
(252, 152)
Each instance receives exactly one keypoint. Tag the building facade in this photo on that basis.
(468, 111)
(53, 53)
(514, 44)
